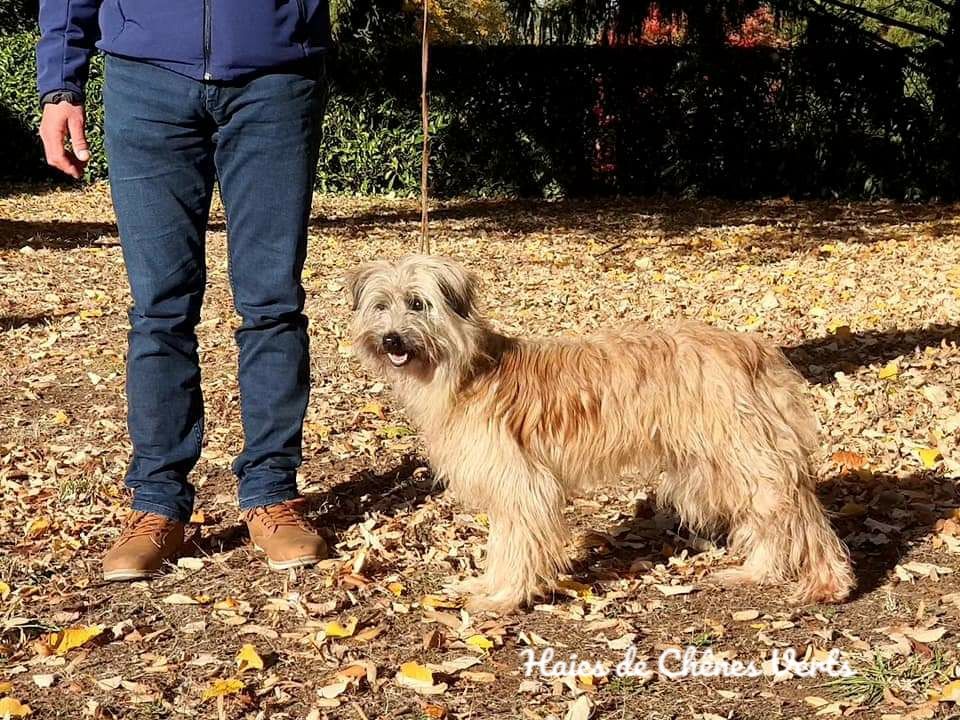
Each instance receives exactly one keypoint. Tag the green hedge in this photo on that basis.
(371, 142)
(574, 121)
(20, 113)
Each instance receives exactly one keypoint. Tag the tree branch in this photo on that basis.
(886, 20)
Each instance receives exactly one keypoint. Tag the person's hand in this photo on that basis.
(62, 121)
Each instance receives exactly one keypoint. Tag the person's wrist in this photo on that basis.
(58, 96)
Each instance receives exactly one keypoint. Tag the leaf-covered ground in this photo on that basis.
(864, 298)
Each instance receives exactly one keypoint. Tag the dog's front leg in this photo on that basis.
(525, 550)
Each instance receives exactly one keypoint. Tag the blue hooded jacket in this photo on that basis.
(202, 39)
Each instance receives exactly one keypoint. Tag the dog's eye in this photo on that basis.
(380, 307)
(415, 304)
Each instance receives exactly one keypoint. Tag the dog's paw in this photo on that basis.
(470, 586)
(496, 603)
(735, 577)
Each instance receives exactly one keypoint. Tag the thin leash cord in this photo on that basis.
(425, 244)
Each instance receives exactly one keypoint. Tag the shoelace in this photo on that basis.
(141, 524)
(278, 515)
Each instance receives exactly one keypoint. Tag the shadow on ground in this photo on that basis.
(881, 518)
(820, 359)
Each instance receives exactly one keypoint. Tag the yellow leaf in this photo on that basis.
(928, 457)
(950, 693)
(415, 674)
(889, 371)
(4, 590)
(221, 687)
(249, 659)
(396, 588)
(38, 526)
(61, 418)
(5, 687)
(373, 408)
(576, 588)
(436, 601)
(482, 519)
(10, 707)
(226, 604)
(336, 630)
(480, 642)
(839, 328)
(60, 643)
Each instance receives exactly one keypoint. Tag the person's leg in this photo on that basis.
(160, 157)
(266, 157)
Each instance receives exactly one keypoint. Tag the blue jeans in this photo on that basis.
(168, 139)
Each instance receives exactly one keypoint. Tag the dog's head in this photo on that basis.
(414, 316)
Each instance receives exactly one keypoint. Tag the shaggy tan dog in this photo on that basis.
(516, 426)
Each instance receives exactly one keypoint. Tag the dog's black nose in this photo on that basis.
(393, 343)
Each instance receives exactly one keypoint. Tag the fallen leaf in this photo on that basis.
(37, 526)
(336, 630)
(190, 563)
(480, 642)
(248, 659)
(451, 667)
(670, 590)
(222, 687)
(579, 709)
(849, 460)
(478, 676)
(925, 636)
(437, 601)
(928, 457)
(373, 408)
(950, 693)
(10, 707)
(60, 643)
(333, 690)
(889, 371)
(746, 615)
(179, 599)
(44, 681)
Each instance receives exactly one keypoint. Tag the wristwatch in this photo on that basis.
(58, 96)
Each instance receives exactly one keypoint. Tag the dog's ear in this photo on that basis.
(459, 287)
(357, 279)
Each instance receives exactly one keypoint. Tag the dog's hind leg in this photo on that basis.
(526, 547)
(792, 542)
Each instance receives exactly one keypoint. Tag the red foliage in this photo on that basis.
(758, 30)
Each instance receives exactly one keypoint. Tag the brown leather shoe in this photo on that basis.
(284, 534)
(145, 541)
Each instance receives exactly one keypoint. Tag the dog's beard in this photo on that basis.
(416, 353)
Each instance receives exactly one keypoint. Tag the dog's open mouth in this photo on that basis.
(399, 360)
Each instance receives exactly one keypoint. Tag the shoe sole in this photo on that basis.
(289, 564)
(126, 575)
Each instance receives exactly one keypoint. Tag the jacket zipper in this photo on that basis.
(207, 23)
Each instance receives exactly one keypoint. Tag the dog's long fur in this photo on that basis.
(516, 426)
